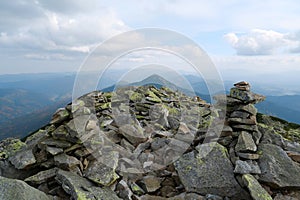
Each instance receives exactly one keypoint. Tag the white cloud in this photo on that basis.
(261, 42)
(53, 29)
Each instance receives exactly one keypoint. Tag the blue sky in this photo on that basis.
(257, 38)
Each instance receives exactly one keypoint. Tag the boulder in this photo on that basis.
(256, 190)
(245, 143)
(246, 167)
(209, 171)
(42, 176)
(16, 189)
(278, 169)
(81, 188)
(23, 159)
(102, 170)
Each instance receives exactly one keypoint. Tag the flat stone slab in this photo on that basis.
(209, 171)
(278, 169)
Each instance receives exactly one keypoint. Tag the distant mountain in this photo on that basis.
(23, 125)
(158, 82)
(17, 102)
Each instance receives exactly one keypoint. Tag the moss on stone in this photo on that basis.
(136, 97)
(12, 147)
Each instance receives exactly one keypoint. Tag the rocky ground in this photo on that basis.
(144, 143)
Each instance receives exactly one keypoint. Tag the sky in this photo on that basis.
(259, 40)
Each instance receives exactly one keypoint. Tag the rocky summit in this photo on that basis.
(148, 143)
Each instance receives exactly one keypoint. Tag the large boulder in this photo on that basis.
(81, 188)
(277, 169)
(16, 189)
(256, 190)
(209, 171)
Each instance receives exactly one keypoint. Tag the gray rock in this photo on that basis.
(65, 161)
(59, 116)
(81, 188)
(244, 127)
(42, 176)
(23, 159)
(248, 121)
(102, 170)
(256, 190)
(54, 150)
(256, 137)
(134, 133)
(245, 143)
(246, 167)
(278, 170)
(239, 114)
(193, 196)
(208, 171)
(151, 183)
(250, 156)
(291, 195)
(123, 190)
(246, 96)
(16, 189)
(56, 143)
(250, 108)
(213, 197)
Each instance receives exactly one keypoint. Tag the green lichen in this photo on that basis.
(12, 146)
(256, 190)
(105, 106)
(136, 97)
(81, 195)
(172, 110)
(152, 97)
(108, 95)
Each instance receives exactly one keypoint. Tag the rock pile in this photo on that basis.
(258, 165)
(144, 143)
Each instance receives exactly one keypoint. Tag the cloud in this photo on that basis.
(261, 42)
(55, 27)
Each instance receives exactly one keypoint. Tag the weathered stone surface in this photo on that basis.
(65, 161)
(23, 159)
(256, 190)
(248, 121)
(244, 127)
(250, 108)
(246, 167)
(246, 96)
(245, 143)
(277, 168)
(80, 188)
(150, 183)
(293, 195)
(239, 114)
(208, 171)
(250, 156)
(242, 85)
(102, 170)
(56, 143)
(10, 146)
(54, 150)
(134, 133)
(15, 189)
(59, 116)
(124, 191)
(42, 176)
